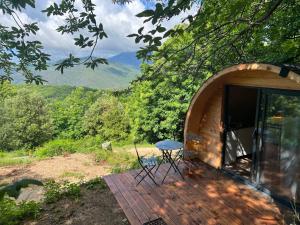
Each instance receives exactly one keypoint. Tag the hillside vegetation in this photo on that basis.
(121, 70)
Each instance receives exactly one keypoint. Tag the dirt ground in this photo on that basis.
(94, 207)
(74, 167)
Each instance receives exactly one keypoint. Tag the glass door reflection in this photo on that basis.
(279, 156)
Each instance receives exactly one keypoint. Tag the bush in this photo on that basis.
(25, 121)
(66, 146)
(67, 114)
(89, 144)
(120, 161)
(95, 183)
(12, 213)
(55, 191)
(56, 147)
(107, 118)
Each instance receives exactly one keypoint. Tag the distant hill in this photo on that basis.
(127, 58)
(117, 75)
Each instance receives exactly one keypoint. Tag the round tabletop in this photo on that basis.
(169, 145)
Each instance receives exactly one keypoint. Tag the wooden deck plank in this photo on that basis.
(133, 219)
(137, 200)
(140, 213)
(231, 200)
(191, 217)
(193, 199)
(147, 194)
(204, 197)
(161, 201)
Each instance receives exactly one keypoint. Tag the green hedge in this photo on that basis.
(67, 146)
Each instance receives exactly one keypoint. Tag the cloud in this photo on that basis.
(118, 22)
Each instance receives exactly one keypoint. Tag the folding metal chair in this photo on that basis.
(187, 157)
(147, 164)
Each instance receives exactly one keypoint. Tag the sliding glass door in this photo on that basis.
(278, 155)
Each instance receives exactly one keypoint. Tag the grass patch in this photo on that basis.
(15, 158)
(12, 213)
(77, 175)
(67, 146)
(120, 161)
(95, 183)
(55, 191)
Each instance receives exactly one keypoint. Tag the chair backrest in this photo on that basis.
(137, 152)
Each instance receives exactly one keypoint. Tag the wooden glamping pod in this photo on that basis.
(246, 120)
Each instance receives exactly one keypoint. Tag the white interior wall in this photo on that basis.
(238, 143)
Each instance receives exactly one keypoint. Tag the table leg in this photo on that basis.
(163, 160)
(168, 157)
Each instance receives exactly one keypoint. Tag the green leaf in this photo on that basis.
(168, 33)
(161, 29)
(132, 35)
(146, 13)
(141, 30)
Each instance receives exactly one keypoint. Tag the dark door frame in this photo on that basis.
(257, 139)
(225, 130)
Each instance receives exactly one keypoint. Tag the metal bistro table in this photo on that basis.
(167, 147)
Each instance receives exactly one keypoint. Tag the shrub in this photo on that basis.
(12, 213)
(63, 146)
(120, 161)
(95, 183)
(107, 118)
(67, 114)
(25, 121)
(56, 147)
(14, 158)
(55, 191)
(89, 144)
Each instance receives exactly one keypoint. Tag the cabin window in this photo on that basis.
(280, 150)
(262, 138)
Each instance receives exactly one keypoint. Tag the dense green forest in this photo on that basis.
(153, 107)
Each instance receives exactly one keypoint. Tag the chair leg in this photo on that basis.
(138, 174)
(147, 173)
(152, 177)
(158, 167)
(143, 176)
(162, 160)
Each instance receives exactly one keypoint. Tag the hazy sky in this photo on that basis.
(118, 21)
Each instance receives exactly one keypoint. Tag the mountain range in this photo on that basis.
(121, 70)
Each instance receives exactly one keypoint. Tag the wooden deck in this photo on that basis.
(204, 197)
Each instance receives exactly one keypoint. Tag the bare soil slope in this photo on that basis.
(74, 167)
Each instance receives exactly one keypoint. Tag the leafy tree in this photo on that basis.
(219, 35)
(21, 52)
(222, 30)
(107, 119)
(6, 90)
(159, 100)
(225, 33)
(67, 114)
(25, 121)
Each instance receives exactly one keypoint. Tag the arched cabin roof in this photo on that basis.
(204, 116)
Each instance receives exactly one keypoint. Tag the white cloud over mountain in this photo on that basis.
(118, 22)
